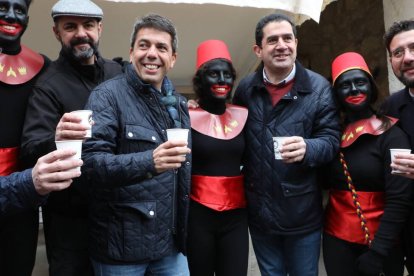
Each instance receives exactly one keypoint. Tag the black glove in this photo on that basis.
(370, 263)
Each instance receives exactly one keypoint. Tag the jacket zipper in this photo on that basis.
(175, 171)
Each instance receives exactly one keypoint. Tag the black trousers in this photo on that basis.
(218, 242)
(408, 244)
(66, 241)
(340, 258)
(18, 243)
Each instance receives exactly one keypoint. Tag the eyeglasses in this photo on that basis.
(400, 52)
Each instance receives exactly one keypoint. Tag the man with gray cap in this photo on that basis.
(63, 88)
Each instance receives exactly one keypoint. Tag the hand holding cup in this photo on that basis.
(171, 154)
(72, 126)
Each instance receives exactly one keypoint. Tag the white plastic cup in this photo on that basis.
(75, 145)
(86, 116)
(393, 153)
(177, 134)
(277, 145)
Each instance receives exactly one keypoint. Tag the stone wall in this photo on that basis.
(346, 25)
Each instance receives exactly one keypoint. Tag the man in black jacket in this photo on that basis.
(63, 88)
(283, 197)
(399, 41)
(140, 182)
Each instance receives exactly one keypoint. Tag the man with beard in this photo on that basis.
(19, 69)
(63, 88)
(399, 40)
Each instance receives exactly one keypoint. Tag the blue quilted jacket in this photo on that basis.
(17, 193)
(136, 214)
(286, 198)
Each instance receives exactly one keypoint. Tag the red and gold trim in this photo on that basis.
(225, 126)
(20, 68)
(8, 160)
(219, 193)
(366, 126)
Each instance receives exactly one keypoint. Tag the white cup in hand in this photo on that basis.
(277, 145)
(75, 145)
(86, 116)
(393, 153)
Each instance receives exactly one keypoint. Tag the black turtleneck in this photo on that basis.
(214, 106)
(11, 48)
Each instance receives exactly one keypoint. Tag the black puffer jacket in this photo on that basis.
(285, 198)
(136, 214)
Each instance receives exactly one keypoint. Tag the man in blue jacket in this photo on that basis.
(30, 188)
(283, 197)
(140, 181)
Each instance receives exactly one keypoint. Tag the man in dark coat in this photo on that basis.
(140, 181)
(284, 200)
(63, 88)
(399, 41)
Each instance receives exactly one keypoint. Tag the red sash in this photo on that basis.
(8, 160)
(342, 221)
(225, 126)
(219, 193)
(20, 68)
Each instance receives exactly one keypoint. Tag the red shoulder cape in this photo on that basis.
(361, 127)
(225, 126)
(20, 68)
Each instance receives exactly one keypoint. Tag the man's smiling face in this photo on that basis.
(152, 55)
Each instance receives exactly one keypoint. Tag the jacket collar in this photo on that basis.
(301, 83)
(404, 99)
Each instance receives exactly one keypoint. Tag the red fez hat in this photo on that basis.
(348, 61)
(211, 49)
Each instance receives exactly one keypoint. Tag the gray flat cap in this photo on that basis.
(84, 8)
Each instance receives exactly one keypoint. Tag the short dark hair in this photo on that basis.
(28, 2)
(274, 17)
(396, 28)
(198, 77)
(157, 22)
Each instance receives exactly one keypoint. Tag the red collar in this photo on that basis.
(366, 126)
(225, 126)
(20, 68)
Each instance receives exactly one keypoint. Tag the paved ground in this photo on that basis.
(41, 262)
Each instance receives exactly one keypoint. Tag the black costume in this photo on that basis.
(18, 232)
(64, 87)
(368, 160)
(222, 234)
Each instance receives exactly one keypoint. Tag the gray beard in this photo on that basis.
(80, 55)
